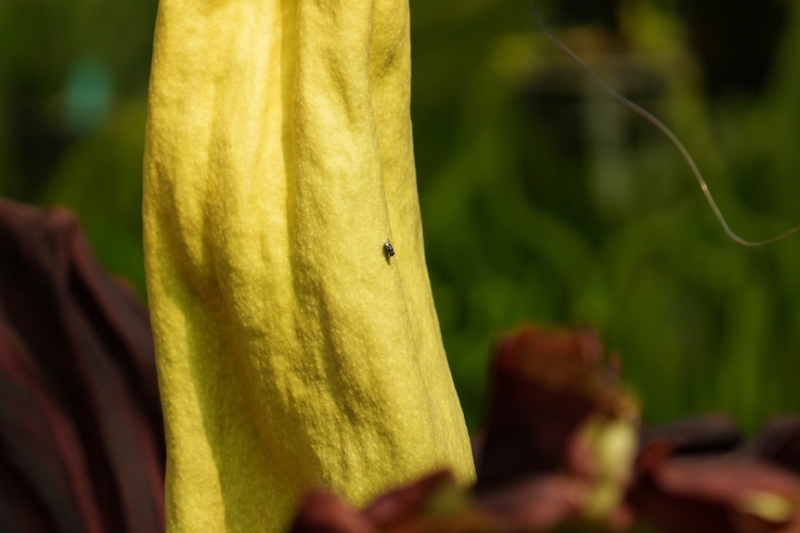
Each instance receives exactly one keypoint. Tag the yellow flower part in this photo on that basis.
(293, 351)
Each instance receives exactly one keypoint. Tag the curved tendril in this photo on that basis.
(665, 130)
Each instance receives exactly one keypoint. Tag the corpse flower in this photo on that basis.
(292, 350)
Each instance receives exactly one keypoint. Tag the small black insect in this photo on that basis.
(388, 249)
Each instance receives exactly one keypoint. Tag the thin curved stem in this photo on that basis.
(665, 130)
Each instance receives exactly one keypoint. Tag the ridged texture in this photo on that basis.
(291, 352)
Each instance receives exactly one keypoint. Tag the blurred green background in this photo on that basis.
(543, 199)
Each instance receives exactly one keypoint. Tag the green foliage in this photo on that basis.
(521, 225)
(73, 82)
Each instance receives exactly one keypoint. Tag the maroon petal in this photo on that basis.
(779, 443)
(535, 504)
(545, 385)
(714, 494)
(81, 438)
(398, 506)
(322, 512)
(712, 433)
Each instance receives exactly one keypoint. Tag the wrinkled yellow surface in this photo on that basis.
(291, 353)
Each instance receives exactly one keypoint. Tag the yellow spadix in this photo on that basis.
(292, 351)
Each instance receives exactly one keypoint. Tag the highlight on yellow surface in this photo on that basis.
(291, 351)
